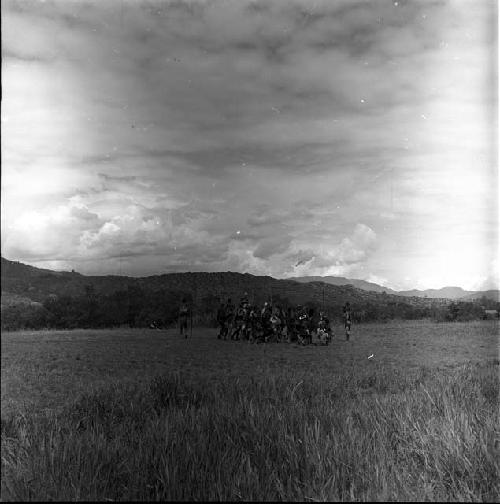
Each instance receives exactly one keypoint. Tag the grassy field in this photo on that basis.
(146, 415)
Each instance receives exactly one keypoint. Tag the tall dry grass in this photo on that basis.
(378, 434)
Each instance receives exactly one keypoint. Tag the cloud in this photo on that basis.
(52, 234)
(271, 255)
(354, 248)
(271, 246)
(290, 122)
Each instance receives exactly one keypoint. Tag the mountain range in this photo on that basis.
(30, 284)
(36, 284)
(444, 292)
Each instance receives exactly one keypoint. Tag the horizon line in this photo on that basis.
(73, 271)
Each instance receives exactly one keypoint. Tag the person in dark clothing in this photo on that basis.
(230, 312)
(265, 318)
(239, 323)
(183, 318)
(324, 331)
(301, 323)
(275, 325)
(283, 329)
(347, 320)
(290, 323)
(311, 325)
(254, 325)
(247, 323)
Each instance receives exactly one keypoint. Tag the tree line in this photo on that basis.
(137, 307)
(133, 307)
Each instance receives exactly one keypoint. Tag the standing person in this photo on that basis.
(239, 323)
(265, 317)
(290, 324)
(301, 322)
(347, 320)
(230, 309)
(311, 325)
(275, 324)
(283, 330)
(183, 318)
(324, 330)
(328, 328)
(253, 325)
(244, 300)
(247, 323)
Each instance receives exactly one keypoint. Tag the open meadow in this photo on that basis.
(140, 414)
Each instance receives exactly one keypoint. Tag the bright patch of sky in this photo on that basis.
(284, 138)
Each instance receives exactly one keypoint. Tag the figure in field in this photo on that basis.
(324, 331)
(347, 320)
(183, 318)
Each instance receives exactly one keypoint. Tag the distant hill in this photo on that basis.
(333, 280)
(34, 298)
(37, 284)
(443, 293)
(489, 294)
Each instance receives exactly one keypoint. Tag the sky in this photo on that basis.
(283, 138)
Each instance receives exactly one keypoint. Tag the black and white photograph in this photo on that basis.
(250, 250)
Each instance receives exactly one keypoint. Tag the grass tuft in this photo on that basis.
(375, 434)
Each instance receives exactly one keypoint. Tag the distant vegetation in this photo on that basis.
(375, 435)
(33, 298)
(136, 307)
(132, 307)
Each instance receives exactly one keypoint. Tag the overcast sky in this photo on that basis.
(284, 138)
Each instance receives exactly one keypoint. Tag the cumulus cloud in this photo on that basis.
(60, 228)
(271, 246)
(249, 135)
(298, 256)
(338, 259)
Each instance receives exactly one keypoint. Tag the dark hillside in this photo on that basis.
(71, 299)
(455, 293)
(37, 284)
(360, 284)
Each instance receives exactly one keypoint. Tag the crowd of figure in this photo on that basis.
(270, 323)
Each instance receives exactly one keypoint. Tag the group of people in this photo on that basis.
(272, 323)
